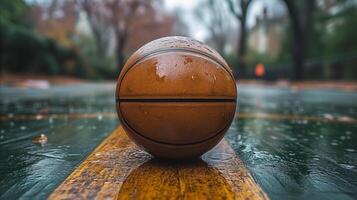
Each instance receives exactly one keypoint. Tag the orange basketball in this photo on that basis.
(176, 97)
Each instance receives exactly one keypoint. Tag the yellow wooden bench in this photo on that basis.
(118, 169)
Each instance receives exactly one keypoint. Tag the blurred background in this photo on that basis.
(260, 39)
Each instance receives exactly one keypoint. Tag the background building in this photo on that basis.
(266, 36)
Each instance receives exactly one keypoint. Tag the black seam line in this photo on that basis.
(124, 121)
(175, 100)
(175, 144)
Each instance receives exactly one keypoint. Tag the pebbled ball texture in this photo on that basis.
(176, 97)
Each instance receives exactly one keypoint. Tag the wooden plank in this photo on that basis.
(117, 169)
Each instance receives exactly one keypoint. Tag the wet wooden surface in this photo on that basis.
(118, 169)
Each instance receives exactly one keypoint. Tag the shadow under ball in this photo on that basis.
(176, 97)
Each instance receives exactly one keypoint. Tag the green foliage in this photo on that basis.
(285, 53)
(341, 43)
(25, 51)
(232, 62)
(14, 11)
(99, 67)
(254, 58)
(343, 38)
(331, 43)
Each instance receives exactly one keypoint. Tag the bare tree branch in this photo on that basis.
(241, 16)
(233, 10)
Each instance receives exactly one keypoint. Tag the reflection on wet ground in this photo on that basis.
(147, 179)
(28, 170)
(292, 156)
(299, 158)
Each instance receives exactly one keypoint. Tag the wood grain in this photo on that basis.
(117, 169)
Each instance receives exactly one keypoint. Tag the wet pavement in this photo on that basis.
(310, 152)
(28, 170)
(299, 158)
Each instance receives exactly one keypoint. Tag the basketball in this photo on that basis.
(176, 97)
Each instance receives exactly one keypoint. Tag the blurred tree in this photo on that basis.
(341, 39)
(123, 12)
(301, 13)
(59, 13)
(23, 51)
(150, 23)
(329, 40)
(122, 19)
(214, 16)
(239, 9)
(341, 27)
(14, 11)
(98, 21)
